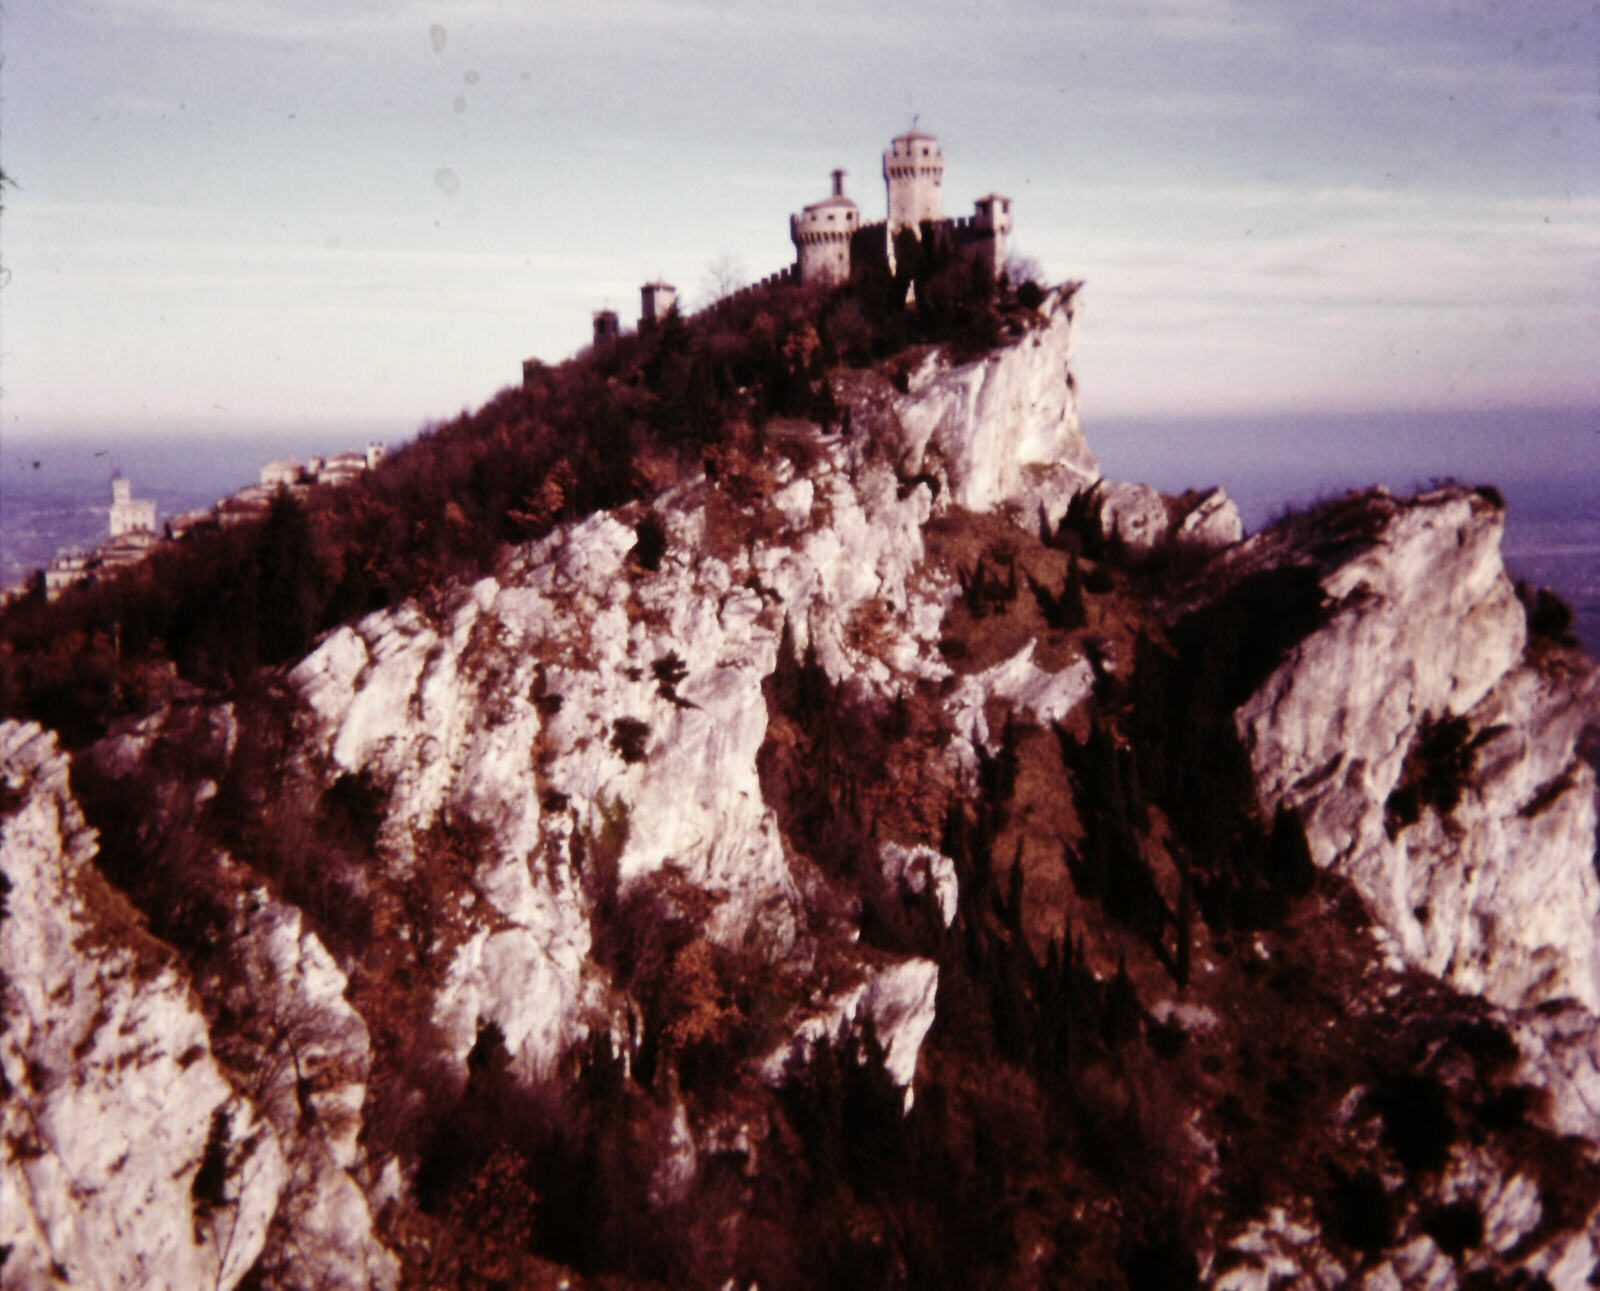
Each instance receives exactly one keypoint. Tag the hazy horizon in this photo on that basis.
(251, 211)
(1546, 463)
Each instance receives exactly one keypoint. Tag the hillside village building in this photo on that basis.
(133, 534)
(128, 513)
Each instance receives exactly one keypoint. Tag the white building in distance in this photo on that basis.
(128, 513)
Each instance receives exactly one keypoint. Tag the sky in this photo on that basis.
(233, 214)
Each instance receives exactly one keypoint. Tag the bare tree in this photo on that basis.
(724, 276)
(1021, 269)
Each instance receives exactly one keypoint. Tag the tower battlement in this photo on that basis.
(913, 171)
(821, 234)
(831, 240)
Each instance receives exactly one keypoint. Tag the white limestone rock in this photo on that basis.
(1042, 697)
(1213, 521)
(574, 705)
(898, 996)
(575, 697)
(1134, 515)
(310, 1085)
(113, 1087)
(920, 869)
(1003, 428)
(1500, 896)
(1559, 1047)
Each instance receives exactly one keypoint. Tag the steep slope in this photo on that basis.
(1433, 762)
(129, 1158)
(890, 857)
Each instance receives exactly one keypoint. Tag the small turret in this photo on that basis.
(606, 327)
(821, 235)
(656, 301)
(991, 223)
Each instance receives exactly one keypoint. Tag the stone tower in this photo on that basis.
(913, 168)
(991, 225)
(656, 301)
(822, 234)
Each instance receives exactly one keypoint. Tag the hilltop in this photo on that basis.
(755, 804)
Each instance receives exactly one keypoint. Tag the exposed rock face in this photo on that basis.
(580, 740)
(1486, 879)
(127, 1109)
(1003, 428)
(310, 1062)
(1213, 521)
(916, 869)
(592, 726)
(576, 690)
(128, 1159)
(576, 693)
(1131, 514)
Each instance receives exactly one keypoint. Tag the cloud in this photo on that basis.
(137, 105)
(295, 20)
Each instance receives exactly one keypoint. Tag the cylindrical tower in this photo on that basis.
(822, 234)
(913, 169)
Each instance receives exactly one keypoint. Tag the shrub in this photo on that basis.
(1549, 617)
(650, 540)
(208, 1191)
(1438, 768)
(1417, 1125)
(628, 736)
(1457, 1228)
(1360, 1213)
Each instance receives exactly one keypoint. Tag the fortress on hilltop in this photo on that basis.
(832, 243)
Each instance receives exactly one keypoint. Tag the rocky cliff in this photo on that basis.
(781, 879)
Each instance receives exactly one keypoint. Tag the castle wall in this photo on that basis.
(786, 277)
(870, 249)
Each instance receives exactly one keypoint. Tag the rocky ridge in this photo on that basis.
(535, 763)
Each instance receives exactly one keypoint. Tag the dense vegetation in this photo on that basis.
(1156, 1018)
(594, 432)
(1070, 1126)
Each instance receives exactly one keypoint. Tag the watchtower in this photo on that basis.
(822, 234)
(606, 327)
(991, 224)
(656, 301)
(913, 169)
